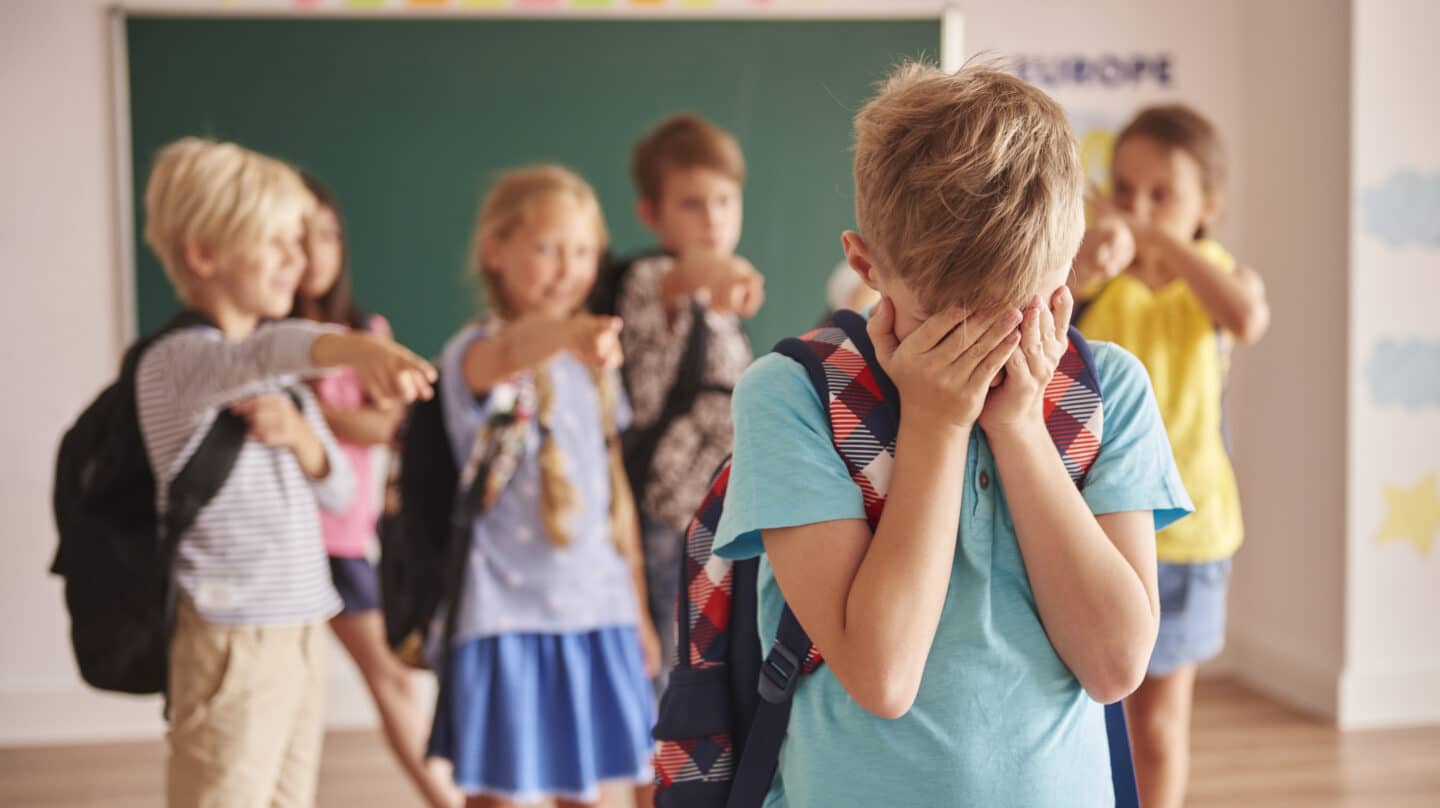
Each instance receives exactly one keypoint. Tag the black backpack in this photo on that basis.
(418, 528)
(638, 445)
(425, 530)
(116, 554)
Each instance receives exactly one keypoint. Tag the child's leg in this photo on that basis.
(363, 636)
(227, 713)
(1192, 630)
(1159, 716)
(300, 769)
(663, 547)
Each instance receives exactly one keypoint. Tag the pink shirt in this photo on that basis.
(348, 532)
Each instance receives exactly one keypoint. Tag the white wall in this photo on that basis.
(1393, 646)
(1288, 401)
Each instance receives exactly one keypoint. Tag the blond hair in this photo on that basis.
(513, 197)
(683, 141)
(221, 195)
(967, 185)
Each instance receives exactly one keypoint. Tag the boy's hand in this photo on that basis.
(944, 369)
(274, 420)
(1143, 237)
(1018, 402)
(724, 284)
(1108, 248)
(595, 340)
(388, 371)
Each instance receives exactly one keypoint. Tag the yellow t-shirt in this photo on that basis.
(1181, 347)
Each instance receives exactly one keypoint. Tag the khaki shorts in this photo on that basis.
(247, 714)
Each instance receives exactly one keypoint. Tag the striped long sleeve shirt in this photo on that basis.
(255, 554)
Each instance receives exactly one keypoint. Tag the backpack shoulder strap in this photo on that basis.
(1073, 408)
(200, 479)
(862, 402)
(864, 413)
(779, 674)
(640, 445)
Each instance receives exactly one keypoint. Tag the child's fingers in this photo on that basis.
(754, 295)
(406, 386)
(402, 386)
(601, 325)
(969, 349)
(1062, 303)
(387, 385)
(731, 299)
(420, 366)
(1016, 363)
(425, 388)
(999, 356)
(882, 330)
(1033, 337)
(935, 330)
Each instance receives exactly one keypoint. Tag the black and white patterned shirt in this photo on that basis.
(255, 554)
(654, 341)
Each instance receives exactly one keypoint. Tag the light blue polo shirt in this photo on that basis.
(999, 720)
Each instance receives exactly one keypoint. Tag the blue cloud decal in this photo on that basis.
(1405, 374)
(1404, 210)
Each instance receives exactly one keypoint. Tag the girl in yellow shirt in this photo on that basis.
(1151, 281)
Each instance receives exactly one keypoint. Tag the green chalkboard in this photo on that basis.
(410, 119)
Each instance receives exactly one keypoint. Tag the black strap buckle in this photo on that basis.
(779, 674)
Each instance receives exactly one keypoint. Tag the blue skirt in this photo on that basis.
(526, 717)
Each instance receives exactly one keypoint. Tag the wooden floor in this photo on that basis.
(1248, 752)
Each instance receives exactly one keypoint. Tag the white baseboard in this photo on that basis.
(75, 715)
(71, 713)
(1307, 687)
(1371, 699)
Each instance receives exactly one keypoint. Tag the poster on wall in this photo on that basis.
(1101, 90)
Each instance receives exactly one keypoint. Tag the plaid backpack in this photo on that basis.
(723, 717)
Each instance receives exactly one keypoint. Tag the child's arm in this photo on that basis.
(275, 421)
(871, 603)
(530, 341)
(388, 371)
(635, 557)
(644, 626)
(1093, 577)
(1234, 300)
(726, 284)
(208, 370)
